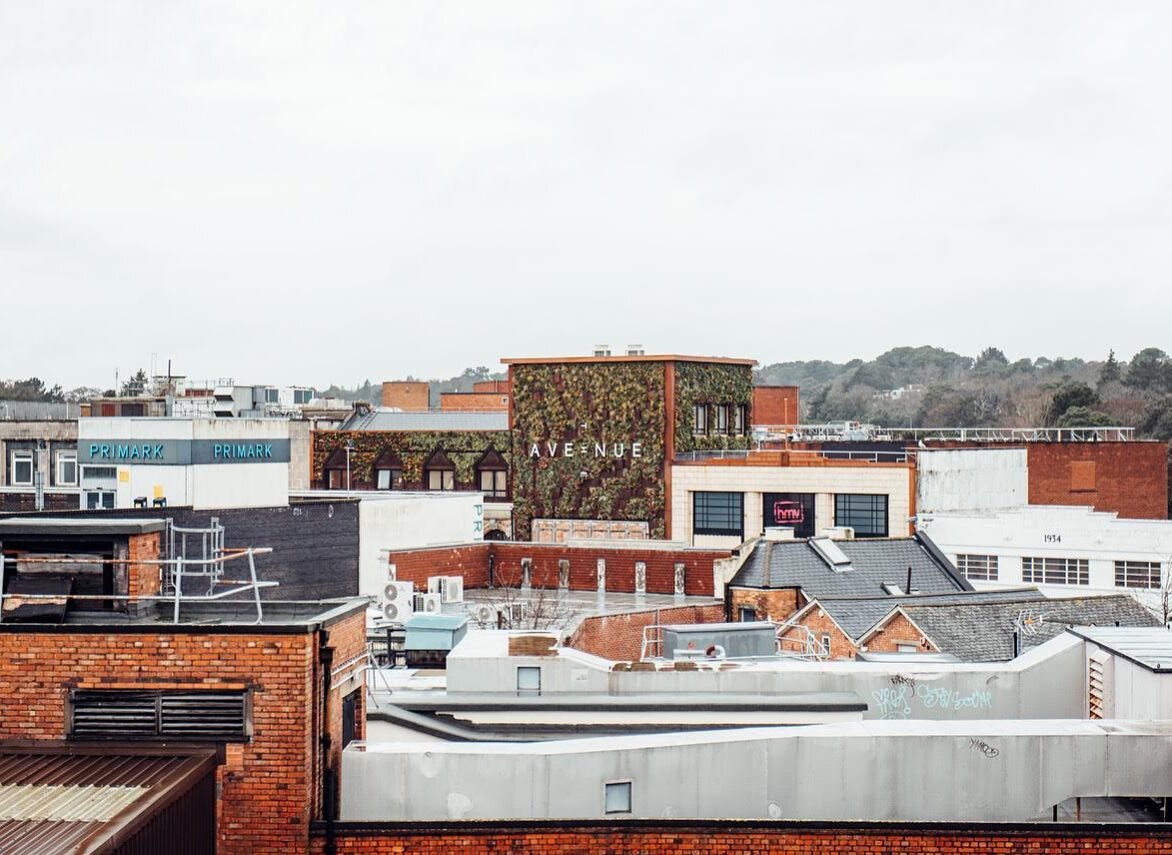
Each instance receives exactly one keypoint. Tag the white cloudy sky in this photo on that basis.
(312, 193)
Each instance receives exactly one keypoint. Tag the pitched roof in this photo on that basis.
(873, 563)
(432, 420)
(856, 615)
(983, 632)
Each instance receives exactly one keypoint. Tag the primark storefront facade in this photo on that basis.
(201, 463)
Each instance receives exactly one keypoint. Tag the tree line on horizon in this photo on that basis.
(903, 387)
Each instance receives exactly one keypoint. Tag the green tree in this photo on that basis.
(135, 384)
(1083, 417)
(1150, 370)
(32, 389)
(1157, 420)
(1110, 372)
(1078, 395)
(992, 359)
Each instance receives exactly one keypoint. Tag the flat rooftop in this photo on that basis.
(649, 357)
(278, 616)
(73, 526)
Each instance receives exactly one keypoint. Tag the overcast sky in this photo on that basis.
(311, 194)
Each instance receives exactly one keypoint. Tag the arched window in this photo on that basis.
(492, 475)
(439, 473)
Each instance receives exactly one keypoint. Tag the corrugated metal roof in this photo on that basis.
(1150, 647)
(38, 411)
(434, 420)
(56, 802)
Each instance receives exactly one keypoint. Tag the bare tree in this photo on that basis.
(517, 604)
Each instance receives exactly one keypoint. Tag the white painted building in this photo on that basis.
(722, 503)
(396, 520)
(1060, 549)
(202, 463)
(971, 479)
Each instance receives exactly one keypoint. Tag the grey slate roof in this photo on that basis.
(983, 632)
(856, 615)
(874, 562)
(454, 420)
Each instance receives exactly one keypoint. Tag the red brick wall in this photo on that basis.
(619, 637)
(774, 605)
(727, 838)
(500, 387)
(899, 630)
(408, 395)
(269, 787)
(479, 402)
(1130, 478)
(143, 579)
(471, 562)
(775, 405)
(819, 623)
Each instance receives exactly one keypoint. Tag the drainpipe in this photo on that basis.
(325, 655)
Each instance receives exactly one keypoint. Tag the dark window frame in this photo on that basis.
(849, 508)
(706, 509)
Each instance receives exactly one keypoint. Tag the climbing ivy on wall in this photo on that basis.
(463, 448)
(588, 404)
(710, 383)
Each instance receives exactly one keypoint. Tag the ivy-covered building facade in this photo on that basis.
(594, 438)
(585, 449)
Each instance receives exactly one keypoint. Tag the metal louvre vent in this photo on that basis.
(214, 716)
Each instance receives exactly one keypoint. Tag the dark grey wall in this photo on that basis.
(315, 543)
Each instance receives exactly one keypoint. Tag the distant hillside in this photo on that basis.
(932, 387)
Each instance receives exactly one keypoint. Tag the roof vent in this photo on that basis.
(838, 532)
(634, 350)
(602, 350)
(779, 533)
(830, 552)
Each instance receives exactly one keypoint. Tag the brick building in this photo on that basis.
(410, 396)
(278, 697)
(776, 406)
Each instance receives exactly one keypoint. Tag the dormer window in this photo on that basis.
(439, 473)
(388, 471)
(492, 475)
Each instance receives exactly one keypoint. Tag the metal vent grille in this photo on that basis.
(216, 716)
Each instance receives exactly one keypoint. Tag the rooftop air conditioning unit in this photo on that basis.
(602, 350)
(634, 350)
(484, 614)
(428, 604)
(434, 583)
(398, 601)
(452, 589)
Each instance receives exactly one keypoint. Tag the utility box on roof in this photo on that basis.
(737, 640)
(431, 637)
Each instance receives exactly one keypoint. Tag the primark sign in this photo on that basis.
(182, 452)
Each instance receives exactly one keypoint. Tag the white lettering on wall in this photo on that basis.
(617, 450)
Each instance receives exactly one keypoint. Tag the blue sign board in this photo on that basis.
(182, 452)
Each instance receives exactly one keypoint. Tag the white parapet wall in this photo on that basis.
(1046, 682)
(971, 479)
(891, 770)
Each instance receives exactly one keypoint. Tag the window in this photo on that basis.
(389, 479)
(21, 471)
(906, 648)
(215, 716)
(718, 513)
(979, 567)
(722, 418)
(748, 614)
(740, 419)
(67, 468)
(272, 396)
(1137, 574)
(826, 645)
(439, 473)
(1055, 571)
(528, 680)
(494, 483)
(866, 514)
(441, 479)
(302, 396)
(700, 419)
(336, 479)
(617, 797)
(99, 499)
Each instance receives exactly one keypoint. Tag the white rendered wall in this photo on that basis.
(981, 479)
(754, 481)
